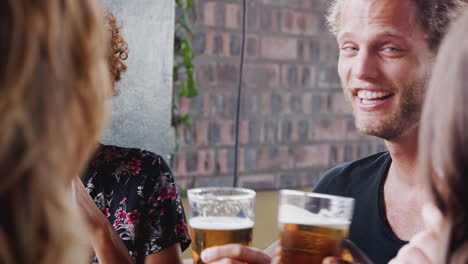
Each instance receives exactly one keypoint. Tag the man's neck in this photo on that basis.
(404, 153)
(405, 191)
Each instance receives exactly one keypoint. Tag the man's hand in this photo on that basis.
(350, 254)
(239, 254)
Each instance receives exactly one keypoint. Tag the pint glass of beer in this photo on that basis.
(312, 225)
(219, 216)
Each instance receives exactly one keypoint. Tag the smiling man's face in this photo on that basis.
(384, 64)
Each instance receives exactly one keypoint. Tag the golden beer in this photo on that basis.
(215, 231)
(308, 244)
(308, 238)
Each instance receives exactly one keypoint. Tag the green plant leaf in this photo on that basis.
(183, 90)
(185, 23)
(189, 4)
(186, 120)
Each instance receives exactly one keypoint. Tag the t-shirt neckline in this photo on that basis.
(381, 202)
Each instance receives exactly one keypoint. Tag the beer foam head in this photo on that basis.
(220, 223)
(296, 215)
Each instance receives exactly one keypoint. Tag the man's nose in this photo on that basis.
(365, 67)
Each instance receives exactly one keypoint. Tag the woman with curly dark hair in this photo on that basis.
(132, 193)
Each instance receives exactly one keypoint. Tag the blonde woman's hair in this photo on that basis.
(53, 84)
(444, 138)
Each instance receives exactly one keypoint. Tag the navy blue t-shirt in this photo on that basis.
(363, 180)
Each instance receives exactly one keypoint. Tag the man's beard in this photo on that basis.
(407, 116)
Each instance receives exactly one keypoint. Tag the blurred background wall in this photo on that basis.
(296, 123)
(141, 114)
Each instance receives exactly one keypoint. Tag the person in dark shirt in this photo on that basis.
(130, 195)
(386, 52)
(363, 180)
(136, 192)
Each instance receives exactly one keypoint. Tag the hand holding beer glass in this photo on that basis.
(312, 225)
(219, 216)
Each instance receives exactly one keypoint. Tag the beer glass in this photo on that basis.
(312, 225)
(219, 216)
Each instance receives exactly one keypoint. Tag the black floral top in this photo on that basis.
(136, 191)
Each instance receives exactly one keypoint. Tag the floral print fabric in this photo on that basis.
(136, 191)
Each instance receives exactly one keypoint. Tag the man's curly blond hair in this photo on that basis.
(434, 16)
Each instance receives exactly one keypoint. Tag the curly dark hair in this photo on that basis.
(119, 51)
(434, 17)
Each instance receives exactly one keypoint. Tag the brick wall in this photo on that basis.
(295, 124)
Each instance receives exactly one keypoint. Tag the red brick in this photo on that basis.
(340, 105)
(180, 135)
(214, 133)
(263, 181)
(241, 160)
(300, 23)
(261, 75)
(219, 14)
(274, 157)
(307, 3)
(244, 131)
(251, 46)
(288, 21)
(286, 103)
(312, 25)
(206, 104)
(206, 75)
(234, 45)
(276, 103)
(227, 132)
(329, 128)
(209, 42)
(280, 48)
(307, 103)
(180, 169)
(226, 44)
(294, 130)
(308, 77)
(219, 44)
(208, 13)
(221, 160)
(232, 16)
(276, 19)
(227, 74)
(249, 161)
(214, 181)
(201, 128)
(206, 162)
(290, 75)
(312, 156)
(184, 105)
(229, 104)
(265, 15)
(252, 18)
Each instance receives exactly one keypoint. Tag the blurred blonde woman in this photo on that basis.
(444, 157)
(53, 84)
